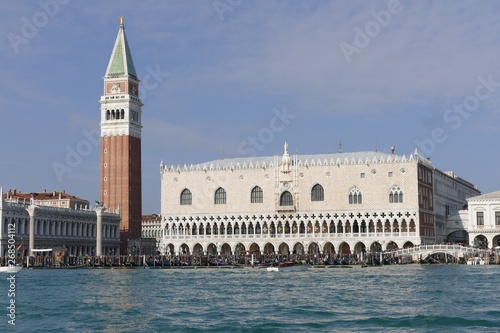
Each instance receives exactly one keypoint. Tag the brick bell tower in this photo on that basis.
(120, 181)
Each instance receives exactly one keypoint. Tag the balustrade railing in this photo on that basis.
(320, 236)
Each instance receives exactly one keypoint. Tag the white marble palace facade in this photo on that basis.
(326, 203)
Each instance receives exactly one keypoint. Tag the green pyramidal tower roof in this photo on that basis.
(121, 62)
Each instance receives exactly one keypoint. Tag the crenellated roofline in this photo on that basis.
(264, 162)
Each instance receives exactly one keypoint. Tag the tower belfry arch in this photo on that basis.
(121, 127)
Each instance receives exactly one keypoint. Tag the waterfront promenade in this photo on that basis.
(430, 253)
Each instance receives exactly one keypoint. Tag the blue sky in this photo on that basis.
(372, 74)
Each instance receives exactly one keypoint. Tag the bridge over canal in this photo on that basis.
(455, 250)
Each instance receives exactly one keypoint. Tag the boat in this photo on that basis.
(475, 261)
(287, 266)
(10, 269)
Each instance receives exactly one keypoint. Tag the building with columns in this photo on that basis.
(121, 117)
(74, 230)
(151, 232)
(315, 204)
(483, 220)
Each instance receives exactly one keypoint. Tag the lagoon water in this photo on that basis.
(411, 298)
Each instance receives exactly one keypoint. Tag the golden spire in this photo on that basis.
(121, 20)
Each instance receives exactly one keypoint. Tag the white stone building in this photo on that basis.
(483, 223)
(151, 233)
(316, 204)
(72, 229)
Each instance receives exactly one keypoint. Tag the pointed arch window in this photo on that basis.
(286, 199)
(220, 196)
(355, 196)
(396, 195)
(317, 193)
(257, 196)
(186, 197)
(108, 115)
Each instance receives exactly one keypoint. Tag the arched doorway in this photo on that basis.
(268, 248)
(284, 249)
(344, 248)
(313, 249)
(392, 246)
(408, 245)
(375, 247)
(198, 250)
(239, 249)
(211, 249)
(255, 248)
(359, 247)
(328, 248)
(170, 249)
(184, 249)
(298, 248)
(496, 241)
(225, 249)
(481, 242)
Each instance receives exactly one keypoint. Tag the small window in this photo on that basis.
(257, 196)
(355, 196)
(220, 196)
(480, 218)
(317, 193)
(286, 199)
(362, 175)
(389, 174)
(186, 197)
(497, 218)
(396, 195)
